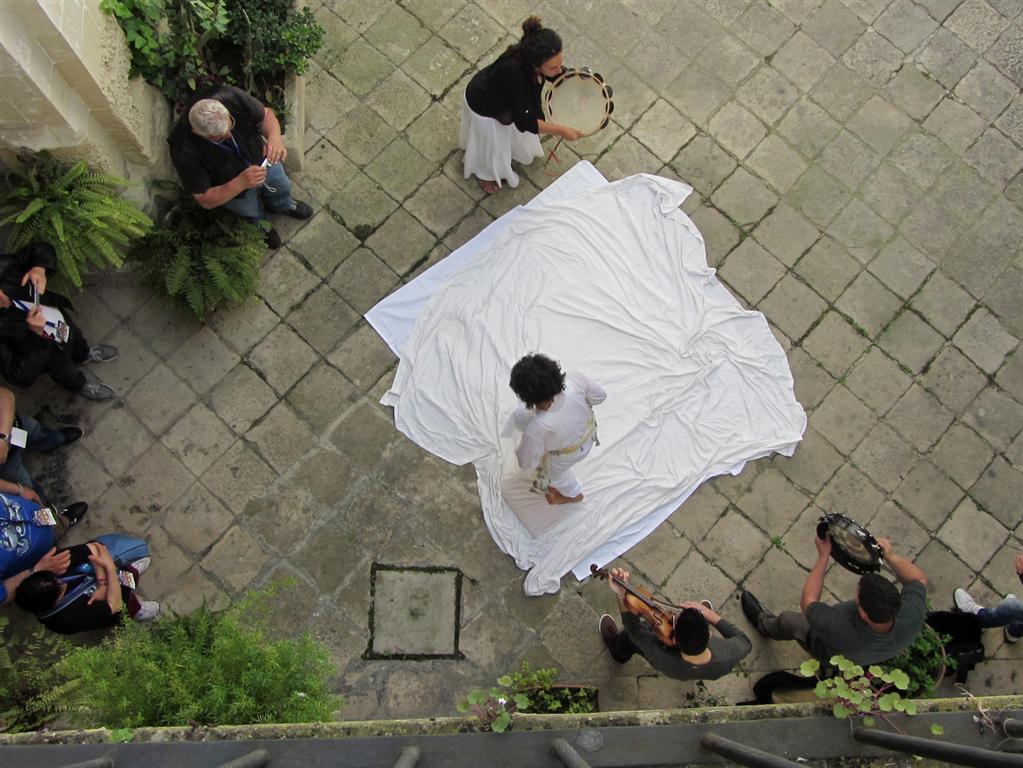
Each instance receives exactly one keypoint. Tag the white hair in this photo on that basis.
(208, 117)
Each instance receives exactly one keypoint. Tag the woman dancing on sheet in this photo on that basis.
(501, 113)
(558, 424)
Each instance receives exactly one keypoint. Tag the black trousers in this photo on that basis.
(622, 648)
(21, 362)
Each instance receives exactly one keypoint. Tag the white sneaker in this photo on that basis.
(1009, 637)
(964, 602)
(141, 565)
(150, 610)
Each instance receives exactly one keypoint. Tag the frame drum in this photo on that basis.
(579, 99)
(852, 546)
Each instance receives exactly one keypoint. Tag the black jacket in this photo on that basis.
(23, 354)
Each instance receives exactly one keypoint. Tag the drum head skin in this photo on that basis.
(852, 546)
(578, 99)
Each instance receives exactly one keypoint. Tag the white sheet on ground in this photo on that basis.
(612, 282)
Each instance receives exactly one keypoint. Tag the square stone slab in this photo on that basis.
(415, 613)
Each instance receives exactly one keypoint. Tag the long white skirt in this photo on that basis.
(490, 147)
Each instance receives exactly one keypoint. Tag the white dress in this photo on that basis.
(562, 425)
(491, 146)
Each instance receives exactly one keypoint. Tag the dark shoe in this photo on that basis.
(753, 609)
(300, 210)
(95, 390)
(75, 512)
(272, 239)
(101, 353)
(71, 434)
(608, 632)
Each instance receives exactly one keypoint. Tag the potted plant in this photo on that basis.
(76, 210)
(494, 708)
(863, 694)
(924, 662)
(202, 258)
(545, 696)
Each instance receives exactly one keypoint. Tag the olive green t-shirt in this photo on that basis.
(839, 630)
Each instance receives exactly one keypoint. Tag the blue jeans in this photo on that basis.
(250, 203)
(1009, 613)
(40, 438)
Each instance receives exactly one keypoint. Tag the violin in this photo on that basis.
(641, 602)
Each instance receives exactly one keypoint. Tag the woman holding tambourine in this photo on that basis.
(501, 113)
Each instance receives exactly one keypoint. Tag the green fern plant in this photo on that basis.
(32, 690)
(77, 211)
(203, 258)
(204, 668)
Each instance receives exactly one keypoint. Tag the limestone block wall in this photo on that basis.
(64, 83)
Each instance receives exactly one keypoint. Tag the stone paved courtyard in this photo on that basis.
(856, 172)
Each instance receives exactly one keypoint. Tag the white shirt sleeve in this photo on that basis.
(531, 447)
(594, 393)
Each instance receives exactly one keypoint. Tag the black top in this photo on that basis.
(13, 267)
(508, 91)
(79, 616)
(201, 163)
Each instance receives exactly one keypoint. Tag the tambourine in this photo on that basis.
(579, 99)
(852, 545)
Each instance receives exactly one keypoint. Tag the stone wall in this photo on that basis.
(64, 77)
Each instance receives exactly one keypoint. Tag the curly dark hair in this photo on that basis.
(536, 379)
(879, 598)
(537, 44)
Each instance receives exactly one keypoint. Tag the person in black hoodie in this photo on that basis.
(27, 344)
(501, 113)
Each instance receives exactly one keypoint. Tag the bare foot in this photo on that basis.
(554, 496)
(490, 187)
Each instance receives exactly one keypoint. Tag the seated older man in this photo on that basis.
(228, 152)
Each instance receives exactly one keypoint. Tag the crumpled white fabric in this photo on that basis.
(614, 282)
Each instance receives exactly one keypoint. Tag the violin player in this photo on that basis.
(698, 654)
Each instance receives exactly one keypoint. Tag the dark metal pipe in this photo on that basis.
(256, 759)
(742, 754)
(96, 762)
(409, 758)
(567, 755)
(976, 757)
(1013, 728)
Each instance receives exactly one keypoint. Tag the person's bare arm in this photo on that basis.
(618, 589)
(557, 129)
(271, 129)
(904, 570)
(712, 616)
(109, 588)
(250, 178)
(54, 561)
(6, 421)
(814, 584)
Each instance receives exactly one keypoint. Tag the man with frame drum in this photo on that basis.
(875, 627)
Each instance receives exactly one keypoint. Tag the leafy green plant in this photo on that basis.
(183, 46)
(205, 668)
(172, 42)
(548, 697)
(276, 37)
(494, 708)
(77, 211)
(858, 693)
(202, 258)
(923, 662)
(32, 691)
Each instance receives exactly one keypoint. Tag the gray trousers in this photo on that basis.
(788, 625)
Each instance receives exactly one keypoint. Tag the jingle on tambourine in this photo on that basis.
(580, 99)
